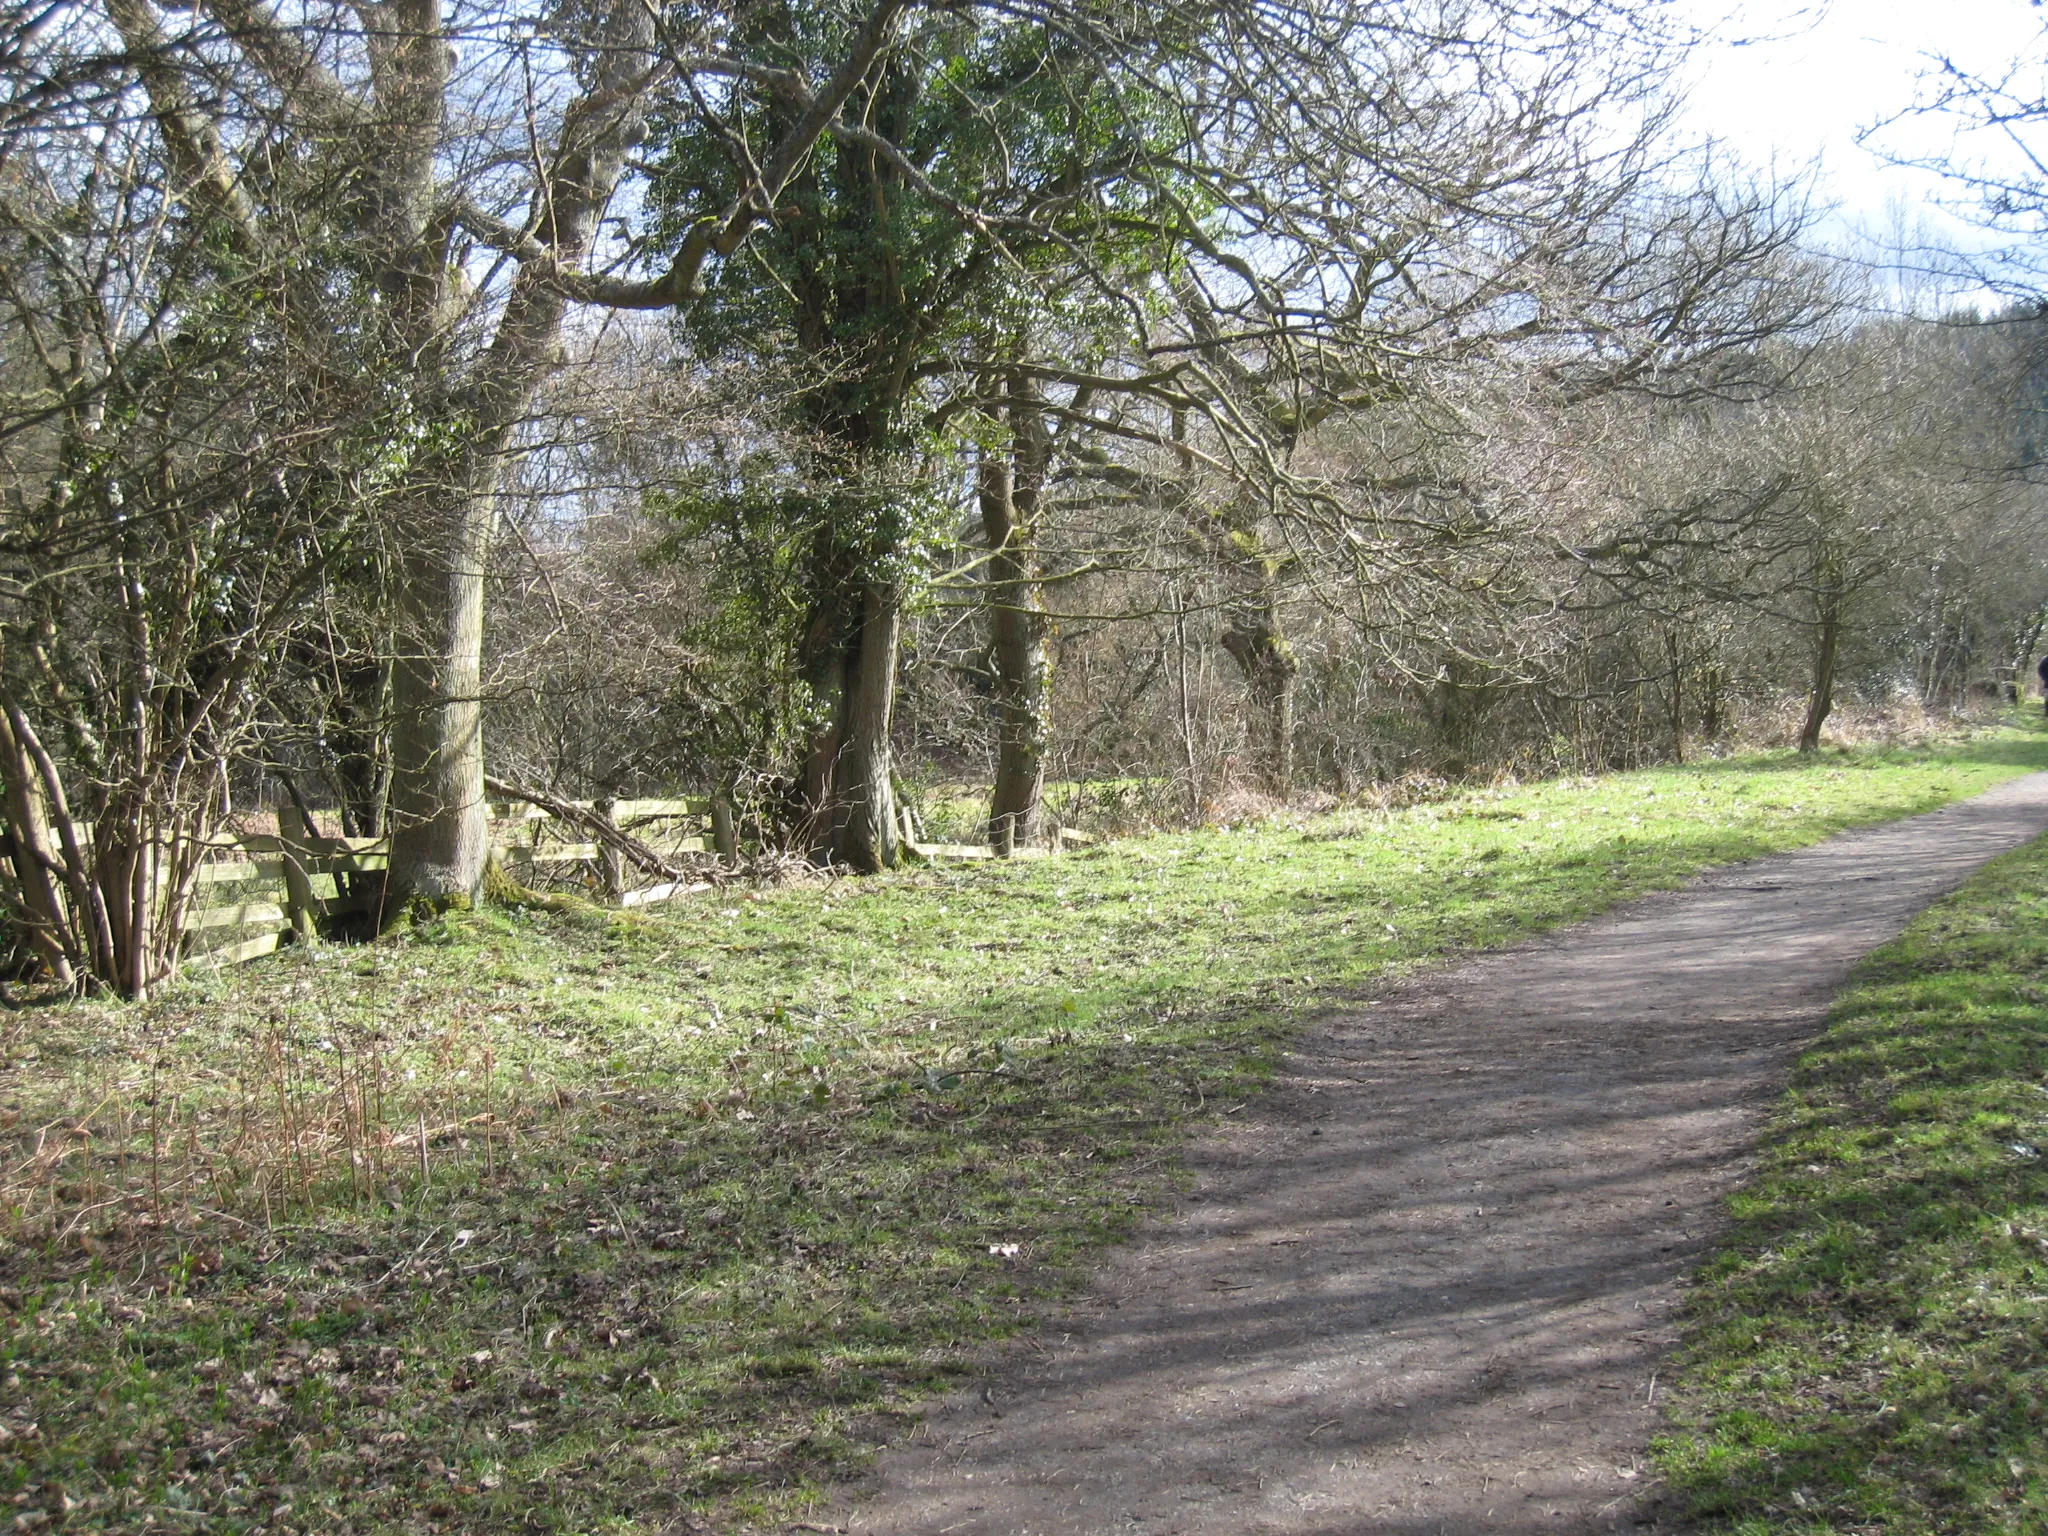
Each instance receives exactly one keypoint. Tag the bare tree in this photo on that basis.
(188, 450)
(1996, 159)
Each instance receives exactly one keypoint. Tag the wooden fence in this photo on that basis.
(253, 890)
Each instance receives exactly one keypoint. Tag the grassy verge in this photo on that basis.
(1870, 1351)
(590, 1221)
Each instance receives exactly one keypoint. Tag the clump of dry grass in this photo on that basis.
(308, 1118)
(1904, 723)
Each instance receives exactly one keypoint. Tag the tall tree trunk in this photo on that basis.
(2022, 654)
(866, 837)
(1452, 713)
(1189, 756)
(1675, 654)
(1712, 683)
(1256, 639)
(826, 673)
(439, 822)
(1258, 645)
(1010, 487)
(1828, 635)
(848, 777)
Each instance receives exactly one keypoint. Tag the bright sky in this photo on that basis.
(1793, 81)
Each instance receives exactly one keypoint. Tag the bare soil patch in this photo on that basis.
(1428, 1283)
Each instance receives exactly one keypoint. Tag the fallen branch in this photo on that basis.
(602, 829)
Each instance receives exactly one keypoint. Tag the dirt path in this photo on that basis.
(1427, 1284)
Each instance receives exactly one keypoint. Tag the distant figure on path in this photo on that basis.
(2042, 669)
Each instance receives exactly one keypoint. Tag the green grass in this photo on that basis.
(755, 1165)
(1869, 1353)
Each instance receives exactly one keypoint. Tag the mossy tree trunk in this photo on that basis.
(1011, 485)
(848, 775)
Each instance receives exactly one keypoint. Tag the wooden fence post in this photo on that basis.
(295, 839)
(611, 863)
(725, 841)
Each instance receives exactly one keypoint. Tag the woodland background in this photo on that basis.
(1162, 408)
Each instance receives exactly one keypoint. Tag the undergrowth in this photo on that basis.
(1869, 1353)
(590, 1221)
